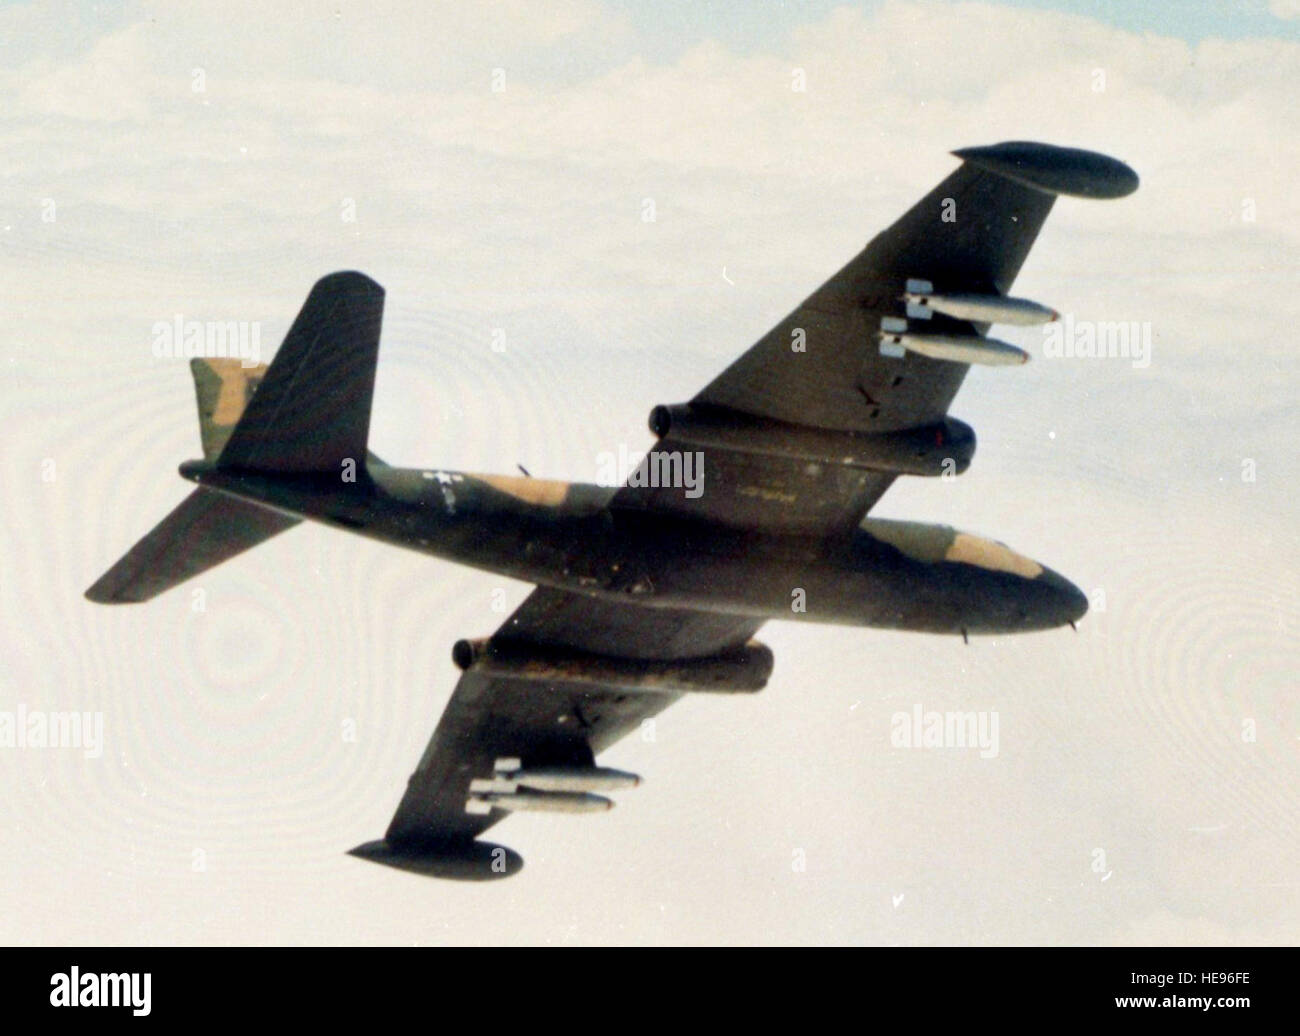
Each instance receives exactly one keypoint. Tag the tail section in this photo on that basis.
(204, 530)
(308, 412)
(224, 388)
(311, 413)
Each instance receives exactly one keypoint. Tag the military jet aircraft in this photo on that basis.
(654, 589)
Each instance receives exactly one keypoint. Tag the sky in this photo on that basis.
(490, 165)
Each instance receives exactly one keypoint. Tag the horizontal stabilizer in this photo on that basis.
(205, 529)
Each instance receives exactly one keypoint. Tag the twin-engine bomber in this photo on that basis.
(655, 589)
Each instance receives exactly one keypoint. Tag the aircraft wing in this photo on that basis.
(562, 679)
(804, 432)
(821, 368)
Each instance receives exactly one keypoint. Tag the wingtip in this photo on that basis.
(101, 593)
(105, 597)
(1054, 169)
(470, 860)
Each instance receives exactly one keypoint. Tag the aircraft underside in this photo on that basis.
(754, 504)
(890, 575)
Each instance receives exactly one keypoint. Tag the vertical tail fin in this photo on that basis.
(311, 412)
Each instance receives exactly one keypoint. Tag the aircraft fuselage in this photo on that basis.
(886, 574)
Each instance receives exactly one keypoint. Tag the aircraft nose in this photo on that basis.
(1062, 602)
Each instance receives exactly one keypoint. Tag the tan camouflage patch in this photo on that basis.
(915, 539)
(975, 550)
(538, 491)
(932, 543)
(224, 387)
(237, 386)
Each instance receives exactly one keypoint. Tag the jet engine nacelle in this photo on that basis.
(743, 670)
(943, 448)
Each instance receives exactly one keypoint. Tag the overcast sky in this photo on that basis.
(490, 165)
